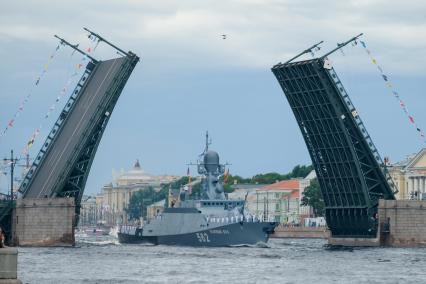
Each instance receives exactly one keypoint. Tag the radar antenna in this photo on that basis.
(208, 142)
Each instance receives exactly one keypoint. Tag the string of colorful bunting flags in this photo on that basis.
(60, 96)
(51, 109)
(390, 86)
(20, 109)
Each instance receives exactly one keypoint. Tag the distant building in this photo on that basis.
(280, 201)
(88, 211)
(242, 190)
(115, 196)
(409, 176)
(155, 209)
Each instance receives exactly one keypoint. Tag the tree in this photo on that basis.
(141, 199)
(312, 197)
(268, 178)
(231, 179)
(301, 171)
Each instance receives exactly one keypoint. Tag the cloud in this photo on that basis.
(260, 33)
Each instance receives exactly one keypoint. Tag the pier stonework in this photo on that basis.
(301, 232)
(403, 223)
(44, 222)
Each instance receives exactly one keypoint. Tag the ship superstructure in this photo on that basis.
(211, 220)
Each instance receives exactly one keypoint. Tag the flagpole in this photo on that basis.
(75, 47)
(303, 52)
(104, 40)
(340, 45)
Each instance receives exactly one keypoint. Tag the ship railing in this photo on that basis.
(234, 219)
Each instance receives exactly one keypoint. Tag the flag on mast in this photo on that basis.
(225, 178)
(189, 181)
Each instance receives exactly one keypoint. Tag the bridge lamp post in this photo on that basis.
(13, 162)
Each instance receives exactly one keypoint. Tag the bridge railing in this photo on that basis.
(56, 128)
(361, 127)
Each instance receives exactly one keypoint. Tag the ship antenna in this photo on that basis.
(208, 142)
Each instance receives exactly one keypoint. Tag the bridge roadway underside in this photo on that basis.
(64, 149)
(348, 167)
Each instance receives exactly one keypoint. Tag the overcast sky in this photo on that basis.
(190, 80)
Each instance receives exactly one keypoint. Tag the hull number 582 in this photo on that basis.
(203, 237)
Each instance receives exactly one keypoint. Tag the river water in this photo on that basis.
(103, 260)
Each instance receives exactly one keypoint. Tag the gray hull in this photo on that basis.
(235, 234)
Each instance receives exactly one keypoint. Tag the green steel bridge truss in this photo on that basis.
(349, 169)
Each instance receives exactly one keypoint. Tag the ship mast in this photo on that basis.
(208, 142)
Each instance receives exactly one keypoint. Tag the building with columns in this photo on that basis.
(409, 176)
(115, 196)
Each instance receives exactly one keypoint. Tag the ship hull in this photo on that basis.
(235, 234)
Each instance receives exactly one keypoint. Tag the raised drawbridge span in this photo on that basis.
(62, 166)
(349, 169)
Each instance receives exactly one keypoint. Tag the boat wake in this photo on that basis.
(257, 245)
(98, 242)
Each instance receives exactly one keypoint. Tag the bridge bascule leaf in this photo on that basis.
(62, 166)
(349, 169)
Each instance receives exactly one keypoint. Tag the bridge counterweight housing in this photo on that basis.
(349, 169)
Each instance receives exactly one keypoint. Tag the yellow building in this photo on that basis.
(115, 196)
(409, 176)
(155, 209)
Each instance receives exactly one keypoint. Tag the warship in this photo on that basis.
(212, 220)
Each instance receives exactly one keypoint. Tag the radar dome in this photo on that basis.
(211, 161)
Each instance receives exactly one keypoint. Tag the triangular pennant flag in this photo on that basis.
(411, 118)
(385, 77)
(30, 143)
(374, 61)
(363, 44)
